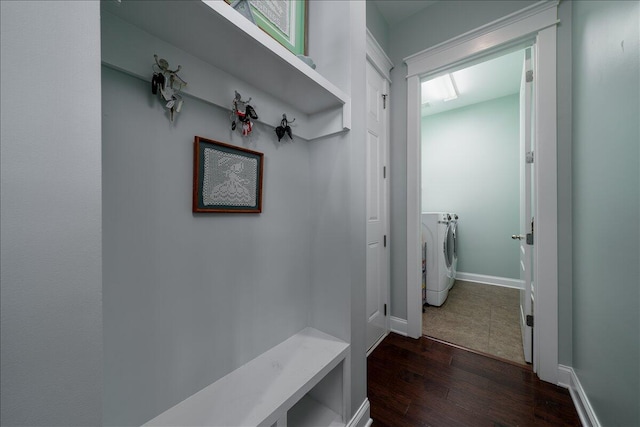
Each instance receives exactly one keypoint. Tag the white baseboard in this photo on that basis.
(490, 280)
(399, 326)
(564, 376)
(377, 343)
(567, 378)
(362, 417)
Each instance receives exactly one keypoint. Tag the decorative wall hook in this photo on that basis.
(243, 112)
(169, 84)
(284, 128)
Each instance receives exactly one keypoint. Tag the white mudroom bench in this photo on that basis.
(299, 382)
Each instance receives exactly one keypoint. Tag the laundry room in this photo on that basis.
(470, 168)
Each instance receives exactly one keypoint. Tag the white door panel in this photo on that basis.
(525, 205)
(374, 169)
(374, 298)
(376, 205)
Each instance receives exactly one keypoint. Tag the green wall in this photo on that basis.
(606, 214)
(470, 167)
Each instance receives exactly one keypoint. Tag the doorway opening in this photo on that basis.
(470, 167)
(535, 26)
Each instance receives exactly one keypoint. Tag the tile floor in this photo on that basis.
(480, 317)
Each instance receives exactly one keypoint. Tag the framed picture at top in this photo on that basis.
(284, 20)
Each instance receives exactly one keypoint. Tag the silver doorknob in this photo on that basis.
(517, 236)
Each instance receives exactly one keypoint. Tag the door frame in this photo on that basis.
(534, 25)
(383, 65)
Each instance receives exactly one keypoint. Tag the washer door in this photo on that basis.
(449, 246)
(454, 231)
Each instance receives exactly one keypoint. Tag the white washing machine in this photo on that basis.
(436, 235)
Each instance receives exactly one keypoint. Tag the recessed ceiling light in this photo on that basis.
(441, 88)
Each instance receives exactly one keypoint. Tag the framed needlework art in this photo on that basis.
(226, 178)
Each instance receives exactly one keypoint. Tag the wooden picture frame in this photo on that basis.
(284, 20)
(226, 178)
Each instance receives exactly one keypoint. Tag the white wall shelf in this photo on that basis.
(301, 379)
(221, 51)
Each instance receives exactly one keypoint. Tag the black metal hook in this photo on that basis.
(284, 128)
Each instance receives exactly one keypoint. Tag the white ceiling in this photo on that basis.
(487, 80)
(395, 11)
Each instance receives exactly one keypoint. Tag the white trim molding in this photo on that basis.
(532, 26)
(414, 185)
(398, 326)
(567, 378)
(362, 417)
(378, 58)
(490, 280)
(514, 28)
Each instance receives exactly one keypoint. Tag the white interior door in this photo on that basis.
(526, 220)
(377, 254)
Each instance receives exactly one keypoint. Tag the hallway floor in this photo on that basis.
(428, 383)
(480, 317)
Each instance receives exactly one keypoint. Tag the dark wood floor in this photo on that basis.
(428, 383)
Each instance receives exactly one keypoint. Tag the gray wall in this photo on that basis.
(565, 240)
(377, 25)
(357, 206)
(470, 167)
(606, 210)
(435, 24)
(338, 190)
(188, 298)
(50, 268)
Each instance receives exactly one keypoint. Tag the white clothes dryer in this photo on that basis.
(436, 278)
